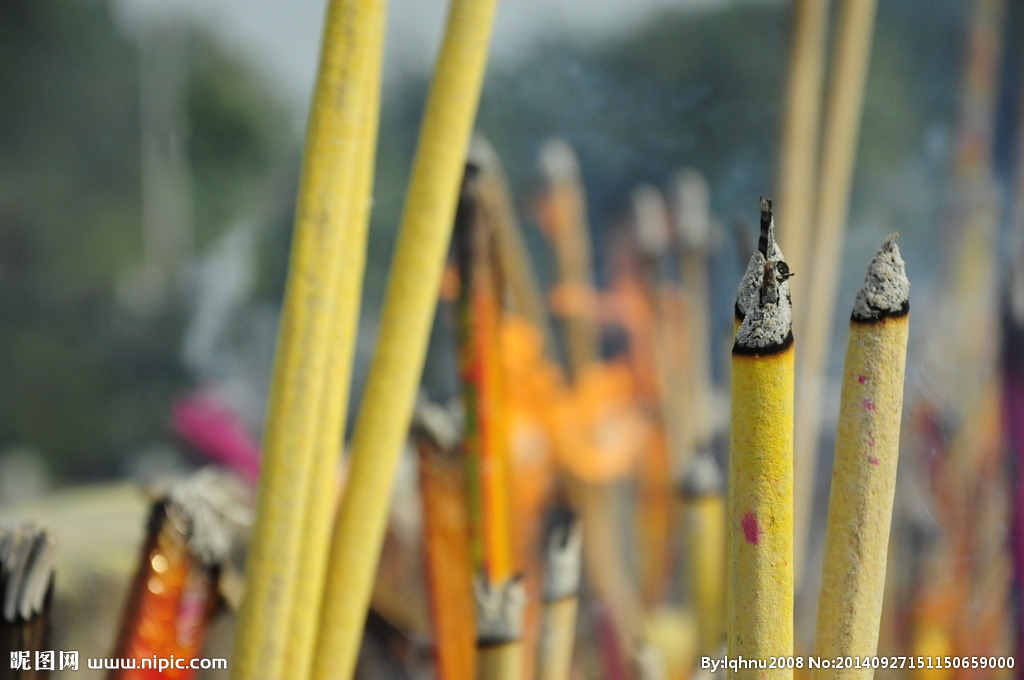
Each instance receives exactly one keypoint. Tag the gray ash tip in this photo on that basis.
(206, 509)
(768, 324)
(767, 249)
(886, 289)
(703, 478)
(562, 556)
(27, 555)
(499, 610)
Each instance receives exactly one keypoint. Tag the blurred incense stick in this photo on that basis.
(446, 548)
(321, 495)
(495, 202)
(814, 317)
(26, 578)
(703, 491)
(798, 164)
(486, 441)
(175, 592)
(409, 303)
(351, 33)
(499, 613)
(562, 572)
(563, 215)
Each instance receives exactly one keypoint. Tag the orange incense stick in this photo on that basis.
(486, 441)
(446, 542)
(175, 594)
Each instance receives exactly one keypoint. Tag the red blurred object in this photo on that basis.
(211, 428)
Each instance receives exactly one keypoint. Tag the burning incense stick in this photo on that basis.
(814, 320)
(409, 303)
(864, 477)
(26, 586)
(446, 541)
(562, 566)
(703, 493)
(499, 623)
(296, 399)
(760, 593)
(175, 591)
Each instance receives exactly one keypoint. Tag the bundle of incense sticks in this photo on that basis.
(26, 587)
(175, 592)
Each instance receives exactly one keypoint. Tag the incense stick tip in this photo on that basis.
(562, 556)
(499, 610)
(703, 477)
(767, 326)
(886, 289)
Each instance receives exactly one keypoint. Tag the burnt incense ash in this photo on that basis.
(27, 556)
(886, 289)
(769, 321)
(767, 249)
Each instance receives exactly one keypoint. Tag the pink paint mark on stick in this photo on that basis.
(872, 460)
(751, 530)
(871, 441)
(862, 379)
(868, 405)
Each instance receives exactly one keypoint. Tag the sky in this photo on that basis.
(283, 36)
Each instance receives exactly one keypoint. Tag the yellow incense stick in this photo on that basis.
(760, 593)
(325, 192)
(864, 477)
(408, 310)
(323, 480)
(838, 159)
(703, 488)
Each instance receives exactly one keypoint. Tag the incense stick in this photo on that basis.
(864, 477)
(175, 591)
(303, 343)
(409, 303)
(562, 566)
(703, 490)
(446, 551)
(760, 593)
(27, 556)
(814, 320)
(321, 495)
(499, 623)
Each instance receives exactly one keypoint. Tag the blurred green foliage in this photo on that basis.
(83, 381)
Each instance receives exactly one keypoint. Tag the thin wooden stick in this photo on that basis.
(864, 477)
(321, 495)
(499, 620)
(760, 593)
(562, 567)
(703, 491)
(798, 164)
(409, 303)
(839, 155)
(304, 342)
